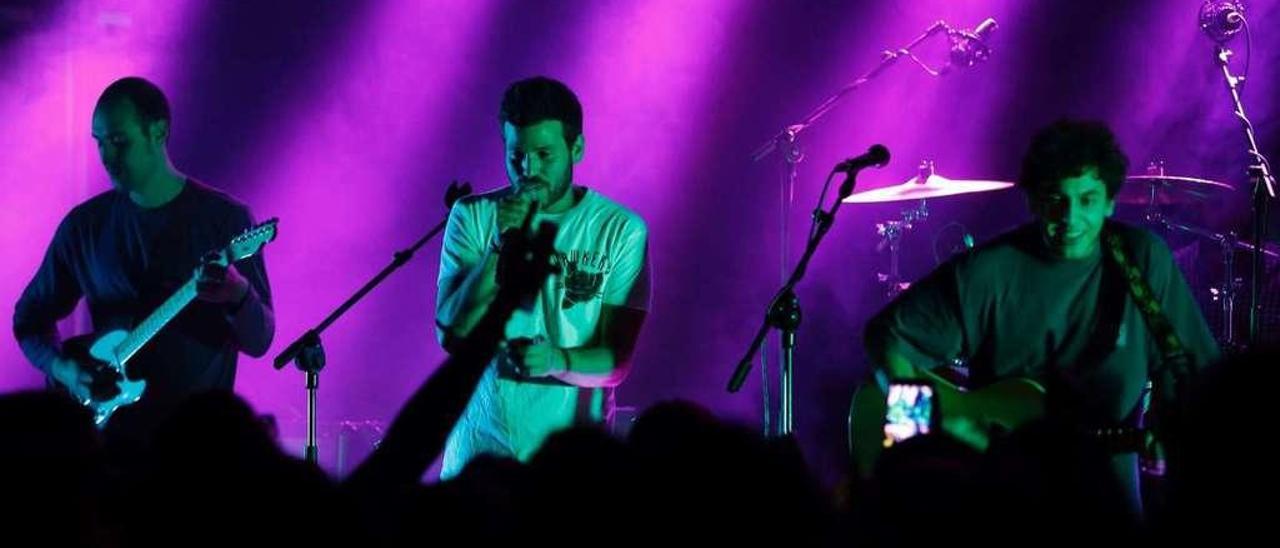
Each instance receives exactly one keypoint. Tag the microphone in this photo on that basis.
(969, 48)
(877, 156)
(455, 192)
(525, 228)
(1221, 20)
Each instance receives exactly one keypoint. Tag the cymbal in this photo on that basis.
(1209, 235)
(935, 186)
(1267, 249)
(1168, 189)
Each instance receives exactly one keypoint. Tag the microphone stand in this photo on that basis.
(788, 139)
(790, 133)
(784, 311)
(308, 353)
(1263, 183)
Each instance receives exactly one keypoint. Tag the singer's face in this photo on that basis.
(1072, 213)
(540, 162)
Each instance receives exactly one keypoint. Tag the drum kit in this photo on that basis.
(1163, 198)
(1169, 203)
(926, 185)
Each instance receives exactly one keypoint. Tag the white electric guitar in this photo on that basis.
(105, 355)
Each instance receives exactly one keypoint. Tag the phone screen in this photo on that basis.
(909, 411)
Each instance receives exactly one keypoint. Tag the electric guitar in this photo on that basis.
(104, 355)
(1006, 404)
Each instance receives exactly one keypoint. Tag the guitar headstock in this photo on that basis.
(251, 241)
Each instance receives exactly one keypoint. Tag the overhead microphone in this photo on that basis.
(969, 48)
(1221, 20)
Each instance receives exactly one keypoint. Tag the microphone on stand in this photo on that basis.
(877, 156)
(1221, 20)
(968, 48)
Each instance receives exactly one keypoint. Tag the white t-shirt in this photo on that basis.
(601, 249)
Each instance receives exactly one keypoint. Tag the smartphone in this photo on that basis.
(910, 411)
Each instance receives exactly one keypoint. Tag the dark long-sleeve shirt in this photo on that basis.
(125, 260)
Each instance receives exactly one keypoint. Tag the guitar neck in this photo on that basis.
(156, 321)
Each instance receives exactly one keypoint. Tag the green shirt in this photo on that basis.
(1011, 309)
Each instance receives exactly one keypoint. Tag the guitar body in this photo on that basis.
(97, 355)
(1007, 405)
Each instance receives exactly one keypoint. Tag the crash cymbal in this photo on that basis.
(1270, 250)
(934, 186)
(1169, 190)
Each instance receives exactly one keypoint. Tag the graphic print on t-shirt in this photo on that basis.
(581, 276)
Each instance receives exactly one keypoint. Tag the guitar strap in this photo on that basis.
(1174, 364)
(1120, 275)
(1173, 355)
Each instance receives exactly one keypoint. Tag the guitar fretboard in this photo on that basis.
(156, 321)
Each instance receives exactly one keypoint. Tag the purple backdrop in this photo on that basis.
(347, 120)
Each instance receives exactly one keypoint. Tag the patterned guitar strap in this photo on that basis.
(1173, 355)
(1174, 365)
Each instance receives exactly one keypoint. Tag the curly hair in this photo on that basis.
(1065, 149)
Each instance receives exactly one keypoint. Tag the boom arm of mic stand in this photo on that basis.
(887, 58)
(400, 258)
(308, 351)
(312, 336)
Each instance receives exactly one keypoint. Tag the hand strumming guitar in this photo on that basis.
(85, 383)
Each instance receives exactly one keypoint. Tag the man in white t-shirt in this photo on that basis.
(566, 353)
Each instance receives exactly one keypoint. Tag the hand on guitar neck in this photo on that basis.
(218, 283)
